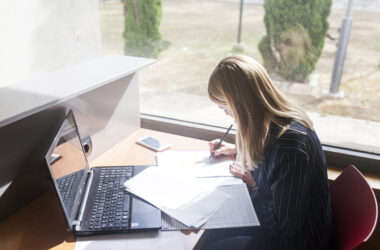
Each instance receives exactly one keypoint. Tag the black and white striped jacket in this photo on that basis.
(292, 200)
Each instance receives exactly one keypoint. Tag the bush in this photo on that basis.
(296, 31)
(141, 27)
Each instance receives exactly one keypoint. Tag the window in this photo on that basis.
(196, 34)
(41, 36)
(200, 33)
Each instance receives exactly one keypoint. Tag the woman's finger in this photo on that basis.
(232, 169)
(235, 171)
(236, 167)
(214, 142)
(219, 151)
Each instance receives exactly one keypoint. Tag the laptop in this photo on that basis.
(94, 201)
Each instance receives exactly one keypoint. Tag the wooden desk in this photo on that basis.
(41, 225)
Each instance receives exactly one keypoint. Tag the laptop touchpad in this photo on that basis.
(144, 215)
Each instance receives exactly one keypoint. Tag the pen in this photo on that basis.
(221, 140)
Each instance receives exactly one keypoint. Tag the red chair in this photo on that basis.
(354, 209)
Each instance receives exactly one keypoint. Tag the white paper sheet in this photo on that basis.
(147, 241)
(214, 182)
(185, 199)
(194, 163)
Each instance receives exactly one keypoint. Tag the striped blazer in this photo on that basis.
(292, 200)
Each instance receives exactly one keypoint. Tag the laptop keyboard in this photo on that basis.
(65, 184)
(111, 206)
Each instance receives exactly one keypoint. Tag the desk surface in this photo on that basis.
(41, 225)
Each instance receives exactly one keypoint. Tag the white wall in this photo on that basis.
(38, 36)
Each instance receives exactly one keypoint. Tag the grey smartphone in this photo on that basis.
(153, 143)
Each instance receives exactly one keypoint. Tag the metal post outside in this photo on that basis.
(342, 49)
(239, 46)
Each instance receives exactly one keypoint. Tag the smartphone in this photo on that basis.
(153, 143)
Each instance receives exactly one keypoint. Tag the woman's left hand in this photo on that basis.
(245, 175)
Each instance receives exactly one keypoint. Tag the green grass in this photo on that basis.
(202, 32)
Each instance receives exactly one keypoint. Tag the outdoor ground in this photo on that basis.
(201, 33)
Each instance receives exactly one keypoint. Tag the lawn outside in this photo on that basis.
(201, 33)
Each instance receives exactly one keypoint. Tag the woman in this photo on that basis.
(279, 157)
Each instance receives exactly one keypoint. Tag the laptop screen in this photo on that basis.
(67, 164)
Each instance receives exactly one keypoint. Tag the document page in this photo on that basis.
(185, 199)
(147, 241)
(194, 163)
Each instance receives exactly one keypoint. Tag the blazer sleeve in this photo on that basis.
(290, 185)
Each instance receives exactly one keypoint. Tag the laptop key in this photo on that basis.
(122, 180)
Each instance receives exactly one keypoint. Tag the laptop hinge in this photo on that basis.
(76, 223)
(85, 196)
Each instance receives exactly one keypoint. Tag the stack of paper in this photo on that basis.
(194, 164)
(185, 199)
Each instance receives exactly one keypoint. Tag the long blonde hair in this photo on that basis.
(243, 84)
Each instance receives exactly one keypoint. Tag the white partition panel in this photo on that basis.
(103, 93)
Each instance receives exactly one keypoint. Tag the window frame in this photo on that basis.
(335, 156)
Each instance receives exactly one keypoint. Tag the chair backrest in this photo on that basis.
(354, 209)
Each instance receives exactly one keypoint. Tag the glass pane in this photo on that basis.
(199, 33)
(67, 164)
(40, 36)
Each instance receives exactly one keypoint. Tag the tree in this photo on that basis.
(141, 27)
(296, 31)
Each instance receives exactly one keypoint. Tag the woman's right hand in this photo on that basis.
(225, 149)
